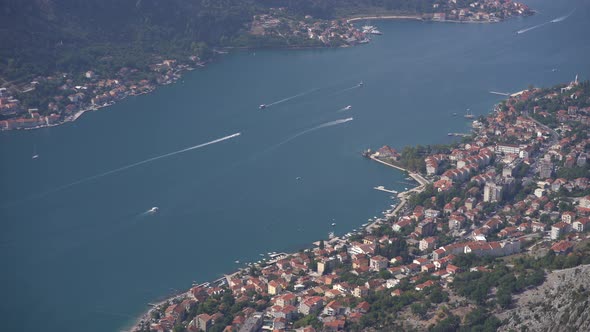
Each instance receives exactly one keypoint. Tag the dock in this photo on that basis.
(500, 93)
(382, 188)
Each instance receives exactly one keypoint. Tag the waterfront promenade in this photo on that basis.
(416, 176)
(403, 196)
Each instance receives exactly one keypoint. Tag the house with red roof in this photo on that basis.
(425, 285)
(562, 247)
(581, 225)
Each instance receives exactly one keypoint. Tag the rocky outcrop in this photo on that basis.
(561, 303)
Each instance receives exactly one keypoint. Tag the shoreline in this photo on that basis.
(402, 196)
(415, 18)
(93, 107)
(385, 17)
(181, 72)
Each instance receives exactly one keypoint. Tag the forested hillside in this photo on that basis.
(44, 36)
(49, 35)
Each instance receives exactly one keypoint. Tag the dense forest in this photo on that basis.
(41, 36)
(44, 36)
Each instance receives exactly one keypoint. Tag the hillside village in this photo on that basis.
(65, 96)
(518, 187)
(49, 100)
(477, 11)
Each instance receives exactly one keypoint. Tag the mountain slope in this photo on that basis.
(562, 303)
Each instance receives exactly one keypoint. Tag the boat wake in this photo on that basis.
(532, 28)
(345, 90)
(324, 125)
(290, 98)
(555, 20)
(120, 169)
(150, 212)
(343, 109)
(562, 18)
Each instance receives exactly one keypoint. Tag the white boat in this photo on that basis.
(35, 156)
(298, 178)
(375, 32)
(153, 210)
(262, 106)
(367, 28)
(333, 224)
(237, 262)
(347, 107)
(361, 83)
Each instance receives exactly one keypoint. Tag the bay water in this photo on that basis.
(87, 256)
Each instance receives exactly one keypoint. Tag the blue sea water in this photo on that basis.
(88, 258)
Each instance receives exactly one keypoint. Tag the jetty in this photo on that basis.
(417, 177)
(500, 93)
(382, 188)
(404, 195)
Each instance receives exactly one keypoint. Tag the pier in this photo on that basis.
(381, 188)
(405, 195)
(500, 93)
(417, 177)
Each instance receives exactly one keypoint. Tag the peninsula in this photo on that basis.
(68, 59)
(492, 216)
